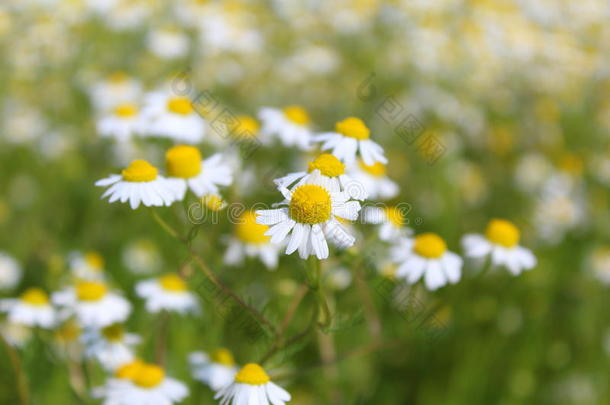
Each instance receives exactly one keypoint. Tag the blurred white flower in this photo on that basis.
(10, 272)
(167, 293)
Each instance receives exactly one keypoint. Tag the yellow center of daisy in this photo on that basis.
(310, 204)
(377, 169)
(90, 291)
(125, 110)
(395, 216)
(213, 202)
(35, 296)
(148, 376)
(180, 105)
(247, 126)
(113, 333)
(223, 356)
(129, 370)
(328, 165)
(139, 171)
(296, 114)
(118, 77)
(249, 231)
(353, 127)
(502, 232)
(183, 161)
(252, 374)
(94, 260)
(172, 282)
(429, 245)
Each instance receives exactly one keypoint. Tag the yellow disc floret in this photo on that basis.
(172, 282)
(213, 202)
(395, 216)
(148, 376)
(125, 110)
(94, 259)
(183, 161)
(429, 245)
(139, 171)
(353, 127)
(502, 232)
(252, 374)
(129, 370)
(328, 165)
(297, 114)
(222, 356)
(249, 231)
(310, 204)
(377, 169)
(118, 77)
(35, 296)
(90, 291)
(180, 105)
(247, 126)
(113, 333)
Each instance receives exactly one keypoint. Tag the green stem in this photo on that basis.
(22, 387)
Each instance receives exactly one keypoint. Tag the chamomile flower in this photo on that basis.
(173, 117)
(111, 346)
(32, 308)
(427, 256)
(116, 90)
(217, 370)
(374, 179)
(250, 240)
(332, 168)
(142, 257)
(352, 137)
(10, 272)
(168, 292)
(291, 125)
(121, 123)
(501, 243)
(187, 170)
(93, 305)
(87, 266)
(138, 183)
(310, 214)
(168, 43)
(391, 221)
(252, 386)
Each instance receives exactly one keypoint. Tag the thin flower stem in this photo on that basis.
(161, 343)
(317, 287)
(22, 387)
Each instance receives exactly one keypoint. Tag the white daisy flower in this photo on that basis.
(252, 386)
(141, 383)
(32, 308)
(142, 257)
(290, 125)
(92, 304)
(15, 334)
(216, 371)
(87, 266)
(391, 221)
(117, 89)
(187, 170)
(139, 182)
(168, 292)
(374, 179)
(173, 117)
(351, 137)
(501, 243)
(332, 168)
(10, 272)
(121, 123)
(168, 43)
(310, 213)
(111, 346)
(427, 256)
(250, 240)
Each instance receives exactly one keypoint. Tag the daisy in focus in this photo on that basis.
(391, 221)
(32, 308)
(93, 304)
(374, 179)
(87, 266)
(351, 138)
(187, 170)
(121, 123)
(310, 214)
(501, 244)
(111, 346)
(10, 272)
(117, 89)
(139, 183)
(426, 256)
(168, 292)
(251, 386)
(217, 370)
(250, 240)
(290, 124)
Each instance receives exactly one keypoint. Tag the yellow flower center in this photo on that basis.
(353, 127)
(125, 110)
(148, 376)
(395, 216)
(180, 105)
(297, 114)
(213, 202)
(94, 260)
(90, 291)
(429, 245)
(247, 127)
(223, 356)
(502, 232)
(129, 370)
(328, 165)
(118, 77)
(249, 231)
(252, 374)
(310, 204)
(377, 169)
(139, 171)
(35, 296)
(69, 332)
(113, 333)
(172, 282)
(183, 161)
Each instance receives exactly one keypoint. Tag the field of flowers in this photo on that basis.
(304, 202)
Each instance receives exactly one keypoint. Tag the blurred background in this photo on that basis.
(485, 109)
